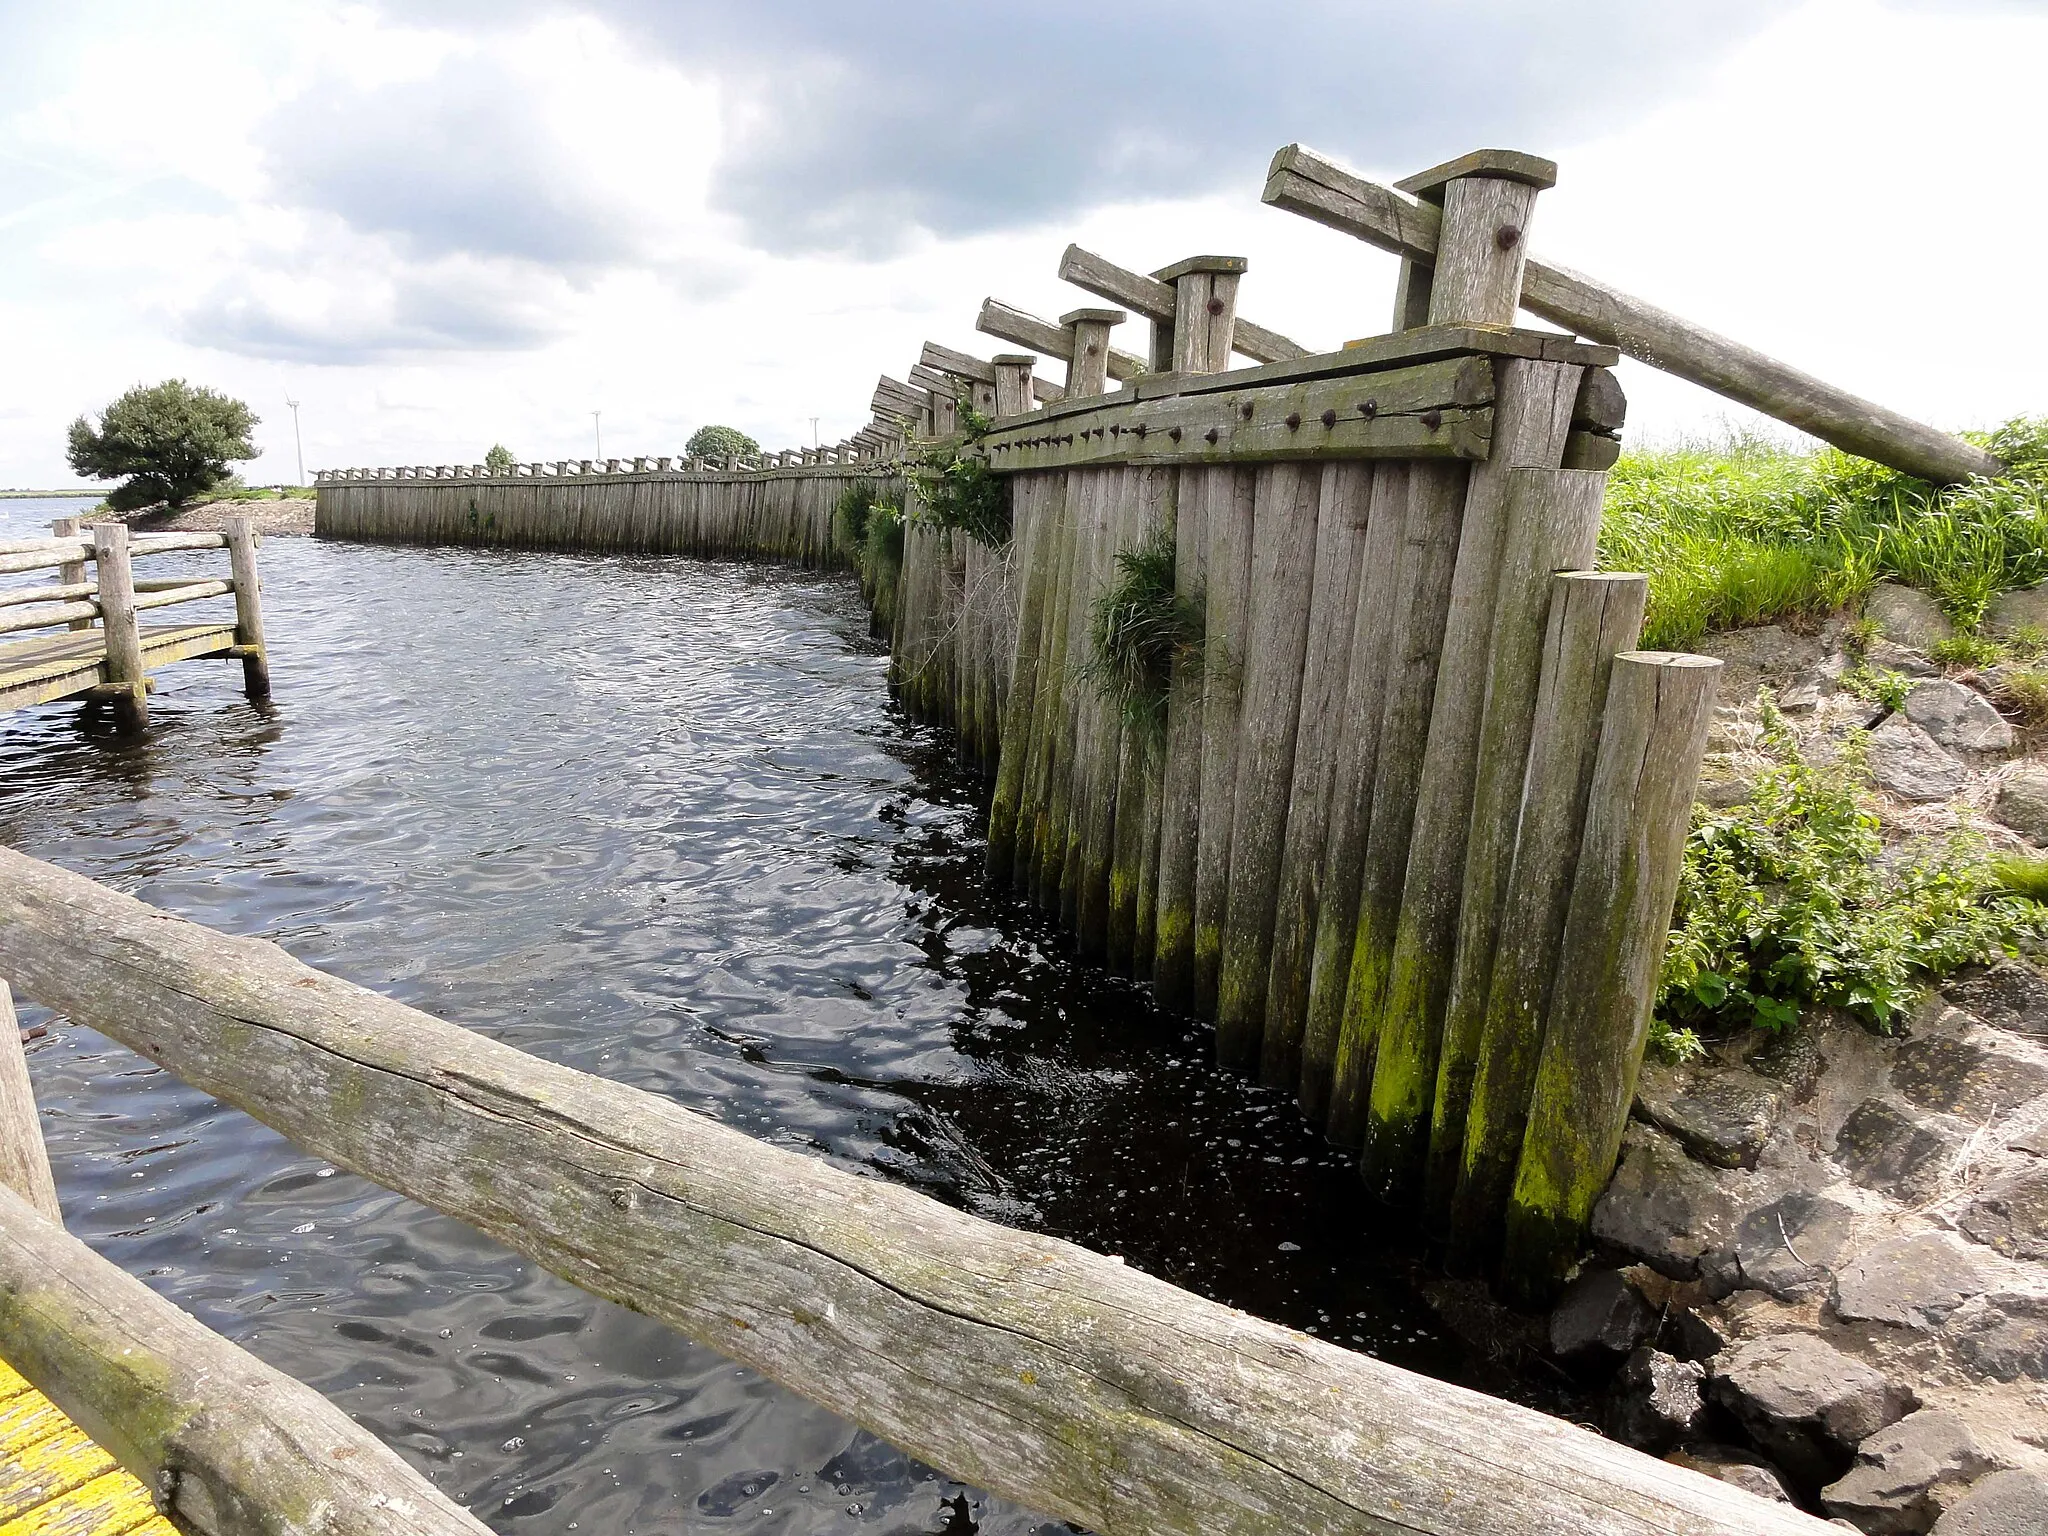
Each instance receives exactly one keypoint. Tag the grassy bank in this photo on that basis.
(1747, 531)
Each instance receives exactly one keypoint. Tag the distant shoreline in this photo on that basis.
(46, 495)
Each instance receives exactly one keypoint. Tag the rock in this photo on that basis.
(2010, 993)
(2022, 802)
(2025, 608)
(2004, 1337)
(1722, 1115)
(1910, 1282)
(1788, 1247)
(1722, 786)
(1805, 1404)
(1958, 717)
(1907, 762)
(1662, 1207)
(1883, 1147)
(1890, 1490)
(1599, 1317)
(1746, 1471)
(1907, 616)
(1884, 656)
(1975, 1078)
(2003, 1504)
(1768, 654)
(1656, 1401)
(2011, 1214)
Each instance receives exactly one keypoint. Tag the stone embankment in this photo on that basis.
(1826, 1252)
(285, 515)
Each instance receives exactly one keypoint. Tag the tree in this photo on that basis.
(717, 442)
(499, 460)
(173, 442)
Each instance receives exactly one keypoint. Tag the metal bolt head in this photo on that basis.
(1329, 418)
(1215, 306)
(1245, 411)
(1370, 409)
(1507, 237)
(1432, 419)
(1210, 435)
(1293, 420)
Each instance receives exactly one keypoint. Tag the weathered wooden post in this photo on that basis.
(126, 686)
(1652, 735)
(1486, 198)
(1013, 382)
(24, 1161)
(1204, 313)
(248, 608)
(72, 572)
(1088, 362)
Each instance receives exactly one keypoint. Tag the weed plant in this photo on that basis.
(1140, 625)
(1785, 901)
(850, 518)
(958, 491)
(1749, 531)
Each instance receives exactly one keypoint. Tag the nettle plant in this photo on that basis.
(1787, 901)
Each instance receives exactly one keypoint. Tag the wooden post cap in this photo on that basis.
(1498, 164)
(1014, 359)
(1100, 316)
(1189, 264)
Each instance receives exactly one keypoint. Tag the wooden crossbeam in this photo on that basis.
(1154, 300)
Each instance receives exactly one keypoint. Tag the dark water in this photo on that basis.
(657, 820)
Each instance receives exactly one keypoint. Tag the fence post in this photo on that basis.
(248, 608)
(1204, 313)
(945, 414)
(1653, 732)
(24, 1160)
(126, 684)
(1013, 382)
(72, 572)
(1088, 362)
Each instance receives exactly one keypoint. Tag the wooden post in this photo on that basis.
(945, 417)
(24, 1161)
(1088, 359)
(1652, 735)
(72, 572)
(1486, 198)
(248, 608)
(1013, 382)
(116, 590)
(1592, 616)
(1204, 313)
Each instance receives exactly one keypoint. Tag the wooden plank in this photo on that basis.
(1066, 1381)
(112, 1504)
(1440, 409)
(1592, 616)
(1279, 596)
(1034, 547)
(1155, 301)
(1304, 182)
(115, 595)
(182, 592)
(46, 618)
(1342, 519)
(1428, 562)
(1653, 733)
(24, 1160)
(1532, 419)
(1481, 251)
(1229, 500)
(1553, 524)
(44, 1466)
(1358, 737)
(1013, 325)
(1173, 961)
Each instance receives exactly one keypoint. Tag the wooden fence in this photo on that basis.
(1405, 816)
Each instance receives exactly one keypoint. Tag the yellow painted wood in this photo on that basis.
(54, 1481)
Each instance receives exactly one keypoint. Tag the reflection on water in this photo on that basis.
(655, 819)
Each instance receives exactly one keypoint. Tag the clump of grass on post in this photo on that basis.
(1140, 624)
(850, 518)
(881, 562)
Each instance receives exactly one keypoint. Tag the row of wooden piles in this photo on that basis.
(784, 515)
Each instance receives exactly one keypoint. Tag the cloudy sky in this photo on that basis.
(443, 225)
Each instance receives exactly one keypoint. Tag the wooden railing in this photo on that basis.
(1054, 1376)
(114, 599)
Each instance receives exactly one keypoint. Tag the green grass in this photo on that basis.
(2024, 875)
(1139, 626)
(1748, 531)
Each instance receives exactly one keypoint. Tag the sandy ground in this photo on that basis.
(292, 516)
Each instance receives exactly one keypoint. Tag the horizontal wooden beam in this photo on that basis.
(1304, 182)
(1155, 301)
(1058, 1378)
(1435, 410)
(1006, 323)
(962, 365)
(230, 1446)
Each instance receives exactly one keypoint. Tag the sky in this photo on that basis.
(442, 225)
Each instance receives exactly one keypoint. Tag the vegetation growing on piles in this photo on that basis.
(1139, 627)
(957, 490)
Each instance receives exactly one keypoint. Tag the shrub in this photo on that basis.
(499, 460)
(1139, 627)
(716, 443)
(171, 440)
(850, 517)
(882, 539)
(1783, 901)
(957, 490)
